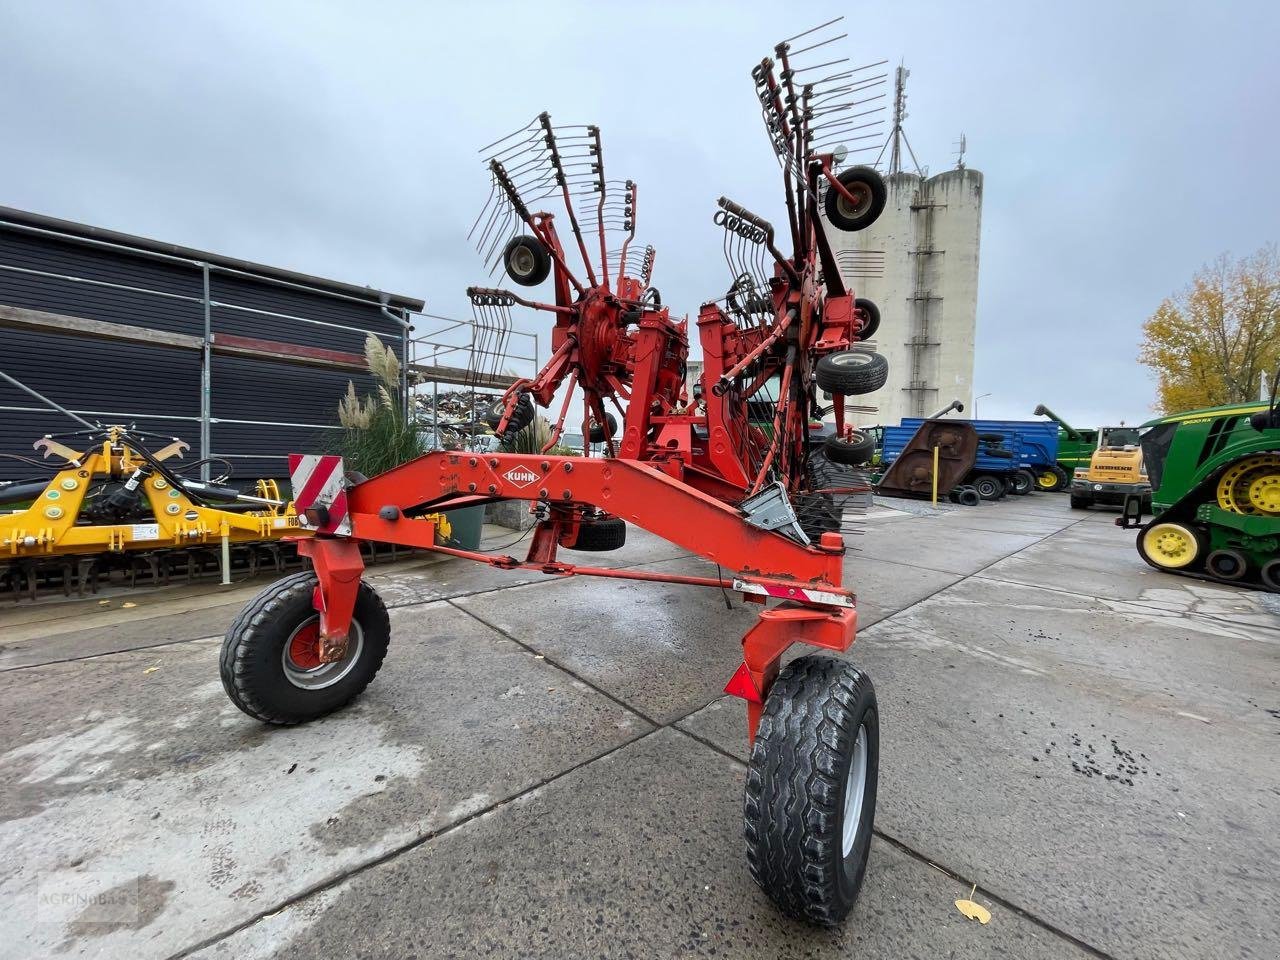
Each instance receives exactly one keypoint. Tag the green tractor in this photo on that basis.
(1215, 479)
(1075, 448)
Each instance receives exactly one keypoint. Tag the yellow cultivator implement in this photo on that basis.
(115, 505)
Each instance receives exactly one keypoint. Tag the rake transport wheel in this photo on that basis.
(521, 416)
(851, 373)
(597, 434)
(1171, 546)
(869, 194)
(871, 317)
(599, 535)
(526, 261)
(270, 661)
(854, 452)
(811, 788)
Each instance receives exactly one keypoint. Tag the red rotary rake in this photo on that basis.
(730, 469)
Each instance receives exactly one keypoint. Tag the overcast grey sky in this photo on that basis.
(1123, 144)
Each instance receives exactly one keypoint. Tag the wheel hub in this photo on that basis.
(1264, 493)
(522, 261)
(1171, 546)
(1251, 486)
(302, 663)
(862, 194)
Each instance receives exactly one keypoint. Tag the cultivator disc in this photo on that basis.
(1251, 486)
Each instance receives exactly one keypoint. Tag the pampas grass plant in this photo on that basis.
(376, 434)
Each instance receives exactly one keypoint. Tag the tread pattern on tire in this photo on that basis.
(793, 791)
(852, 381)
(233, 666)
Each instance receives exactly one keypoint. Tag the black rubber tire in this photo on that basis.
(873, 317)
(1270, 575)
(796, 782)
(1022, 482)
(968, 497)
(1080, 503)
(526, 260)
(251, 664)
(861, 180)
(988, 486)
(599, 535)
(521, 416)
(852, 453)
(596, 435)
(851, 373)
(1234, 565)
(1064, 477)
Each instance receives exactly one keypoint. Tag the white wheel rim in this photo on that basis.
(327, 674)
(522, 261)
(852, 358)
(855, 790)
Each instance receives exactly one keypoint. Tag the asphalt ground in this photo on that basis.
(546, 767)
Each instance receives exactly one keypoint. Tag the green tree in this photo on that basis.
(1212, 343)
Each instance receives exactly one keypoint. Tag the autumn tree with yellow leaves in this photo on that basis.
(1212, 343)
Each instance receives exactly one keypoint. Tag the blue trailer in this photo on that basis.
(1010, 457)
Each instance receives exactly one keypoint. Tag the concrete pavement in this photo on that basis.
(546, 767)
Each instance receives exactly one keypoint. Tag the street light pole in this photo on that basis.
(975, 404)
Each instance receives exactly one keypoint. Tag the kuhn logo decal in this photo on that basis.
(520, 476)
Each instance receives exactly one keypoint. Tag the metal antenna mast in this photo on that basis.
(898, 135)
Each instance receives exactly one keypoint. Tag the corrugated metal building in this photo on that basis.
(240, 360)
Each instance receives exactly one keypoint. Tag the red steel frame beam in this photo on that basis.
(816, 608)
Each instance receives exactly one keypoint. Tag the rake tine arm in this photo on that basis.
(743, 213)
(498, 294)
(545, 120)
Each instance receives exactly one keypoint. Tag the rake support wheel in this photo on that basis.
(811, 789)
(851, 373)
(869, 193)
(526, 261)
(270, 665)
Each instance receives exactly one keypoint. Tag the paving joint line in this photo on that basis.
(559, 666)
(1143, 604)
(393, 606)
(342, 876)
(954, 875)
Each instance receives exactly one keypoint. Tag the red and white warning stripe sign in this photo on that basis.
(318, 482)
(804, 594)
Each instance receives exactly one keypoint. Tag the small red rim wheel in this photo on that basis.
(301, 656)
(304, 646)
(270, 662)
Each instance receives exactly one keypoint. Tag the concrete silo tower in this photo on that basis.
(927, 290)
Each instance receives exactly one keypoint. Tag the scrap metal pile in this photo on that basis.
(728, 467)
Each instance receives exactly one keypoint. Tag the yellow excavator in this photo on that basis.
(1115, 471)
